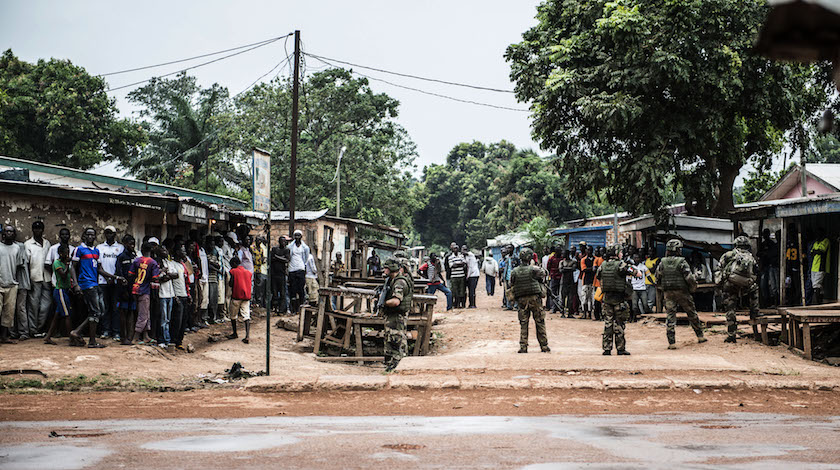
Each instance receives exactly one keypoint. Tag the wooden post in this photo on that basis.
(801, 262)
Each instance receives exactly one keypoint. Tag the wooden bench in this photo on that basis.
(796, 330)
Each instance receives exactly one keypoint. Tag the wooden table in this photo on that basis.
(347, 324)
(796, 330)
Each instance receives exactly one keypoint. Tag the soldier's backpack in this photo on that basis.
(741, 269)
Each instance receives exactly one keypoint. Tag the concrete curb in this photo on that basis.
(331, 383)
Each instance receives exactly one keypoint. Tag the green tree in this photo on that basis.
(826, 149)
(55, 112)
(756, 184)
(640, 99)
(336, 110)
(538, 232)
(183, 122)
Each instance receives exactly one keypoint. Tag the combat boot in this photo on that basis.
(523, 350)
(672, 346)
(623, 352)
(729, 339)
(545, 349)
(607, 352)
(701, 339)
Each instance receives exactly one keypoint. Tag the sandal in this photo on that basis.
(245, 340)
(50, 341)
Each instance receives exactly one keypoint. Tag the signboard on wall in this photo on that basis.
(261, 171)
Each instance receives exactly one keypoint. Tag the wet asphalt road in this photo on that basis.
(669, 441)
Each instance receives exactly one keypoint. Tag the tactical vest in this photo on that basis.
(525, 284)
(672, 277)
(408, 296)
(613, 280)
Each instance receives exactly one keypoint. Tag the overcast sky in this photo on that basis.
(462, 41)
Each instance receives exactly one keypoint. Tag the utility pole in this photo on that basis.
(802, 177)
(295, 92)
(337, 179)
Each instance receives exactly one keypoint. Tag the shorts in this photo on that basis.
(240, 310)
(63, 306)
(203, 300)
(817, 278)
(95, 303)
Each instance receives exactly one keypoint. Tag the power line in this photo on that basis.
(460, 100)
(445, 82)
(197, 66)
(270, 40)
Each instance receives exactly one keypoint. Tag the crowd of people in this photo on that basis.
(147, 291)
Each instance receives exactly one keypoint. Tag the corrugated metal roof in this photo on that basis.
(561, 231)
(828, 172)
(299, 215)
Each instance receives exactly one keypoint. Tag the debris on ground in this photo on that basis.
(289, 324)
(236, 371)
(215, 337)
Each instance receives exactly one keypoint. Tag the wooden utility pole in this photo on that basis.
(295, 94)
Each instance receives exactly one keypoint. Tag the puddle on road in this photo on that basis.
(222, 443)
(53, 457)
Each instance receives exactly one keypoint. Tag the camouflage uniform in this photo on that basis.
(615, 308)
(733, 293)
(525, 284)
(396, 341)
(674, 277)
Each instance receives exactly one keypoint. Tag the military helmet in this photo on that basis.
(742, 242)
(392, 263)
(674, 245)
(526, 254)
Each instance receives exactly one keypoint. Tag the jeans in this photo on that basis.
(212, 301)
(280, 291)
(639, 303)
(651, 297)
(178, 324)
(21, 315)
(770, 285)
(440, 287)
(490, 284)
(556, 303)
(297, 288)
(260, 288)
(568, 292)
(166, 317)
(472, 285)
(40, 299)
(110, 318)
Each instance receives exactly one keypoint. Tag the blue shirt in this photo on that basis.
(88, 259)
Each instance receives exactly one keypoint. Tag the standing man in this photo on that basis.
(85, 271)
(768, 261)
(299, 255)
(793, 283)
(240, 304)
(491, 270)
(24, 286)
(11, 259)
(613, 276)
(260, 271)
(311, 281)
(525, 281)
(126, 304)
(738, 275)
(554, 279)
(63, 239)
(398, 297)
(453, 248)
(821, 264)
(568, 284)
(677, 282)
(651, 263)
(279, 277)
(40, 292)
(472, 274)
(374, 265)
(639, 300)
(587, 274)
(214, 271)
(224, 259)
(108, 253)
(436, 280)
(458, 277)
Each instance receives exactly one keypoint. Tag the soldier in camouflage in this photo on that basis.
(738, 280)
(525, 283)
(677, 282)
(613, 273)
(396, 309)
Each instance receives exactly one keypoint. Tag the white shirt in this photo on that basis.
(38, 253)
(108, 258)
(205, 266)
(311, 269)
(167, 289)
(491, 267)
(53, 255)
(639, 283)
(178, 283)
(297, 261)
(545, 261)
(472, 265)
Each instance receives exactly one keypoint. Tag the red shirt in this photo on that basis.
(241, 283)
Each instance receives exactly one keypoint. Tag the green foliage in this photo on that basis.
(826, 150)
(642, 99)
(55, 112)
(538, 233)
(183, 122)
(336, 110)
(486, 190)
(756, 184)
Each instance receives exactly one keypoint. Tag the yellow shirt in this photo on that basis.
(650, 279)
(825, 246)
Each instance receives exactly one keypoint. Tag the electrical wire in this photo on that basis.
(445, 82)
(452, 98)
(195, 66)
(267, 41)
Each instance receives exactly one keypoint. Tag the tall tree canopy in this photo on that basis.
(183, 124)
(485, 190)
(336, 110)
(642, 97)
(55, 112)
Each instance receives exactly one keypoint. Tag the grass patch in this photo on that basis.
(100, 383)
